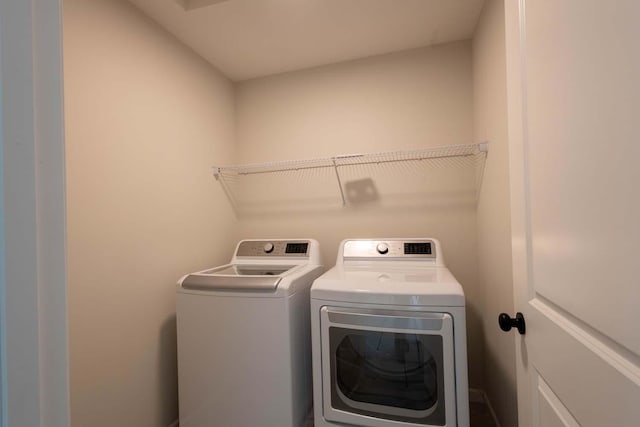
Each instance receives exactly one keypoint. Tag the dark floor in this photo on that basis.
(478, 412)
(480, 415)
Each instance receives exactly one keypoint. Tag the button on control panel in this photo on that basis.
(268, 247)
(382, 248)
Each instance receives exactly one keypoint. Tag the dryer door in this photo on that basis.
(381, 368)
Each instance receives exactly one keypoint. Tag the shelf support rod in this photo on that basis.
(335, 168)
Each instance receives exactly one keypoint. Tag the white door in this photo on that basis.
(574, 130)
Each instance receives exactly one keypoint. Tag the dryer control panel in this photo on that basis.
(390, 248)
(273, 248)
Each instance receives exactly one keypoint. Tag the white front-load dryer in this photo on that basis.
(244, 344)
(389, 338)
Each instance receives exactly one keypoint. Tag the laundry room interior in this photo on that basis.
(149, 117)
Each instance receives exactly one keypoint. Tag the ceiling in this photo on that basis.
(252, 38)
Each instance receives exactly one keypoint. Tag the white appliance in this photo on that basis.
(389, 338)
(244, 345)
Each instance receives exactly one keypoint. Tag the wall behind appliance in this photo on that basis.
(494, 233)
(145, 120)
(405, 100)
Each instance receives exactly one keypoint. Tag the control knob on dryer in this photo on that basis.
(382, 248)
(268, 247)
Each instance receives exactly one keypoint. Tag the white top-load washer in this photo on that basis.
(244, 344)
(389, 338)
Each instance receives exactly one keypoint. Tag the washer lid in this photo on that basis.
(237, 277)
(393, 285)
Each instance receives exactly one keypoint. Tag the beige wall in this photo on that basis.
(494, 233)
(143, 207)
(406, 100)
(145, 120)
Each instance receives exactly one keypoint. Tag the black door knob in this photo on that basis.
(506, 322)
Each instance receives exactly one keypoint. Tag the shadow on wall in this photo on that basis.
(381, 204)
(168, 371)
(361, 192)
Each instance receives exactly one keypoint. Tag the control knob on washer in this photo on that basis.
(382, 248)
(268, 247)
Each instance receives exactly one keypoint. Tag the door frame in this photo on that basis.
(520, 232)
(33, 333)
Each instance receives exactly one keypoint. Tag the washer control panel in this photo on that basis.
(273, 248)
(410, 248)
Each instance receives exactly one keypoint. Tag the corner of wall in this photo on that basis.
(494, 233)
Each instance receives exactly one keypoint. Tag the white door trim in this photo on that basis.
(3, 367)
(514, 18)
(33, 287)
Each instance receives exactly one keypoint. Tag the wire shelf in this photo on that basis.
(302, 185)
